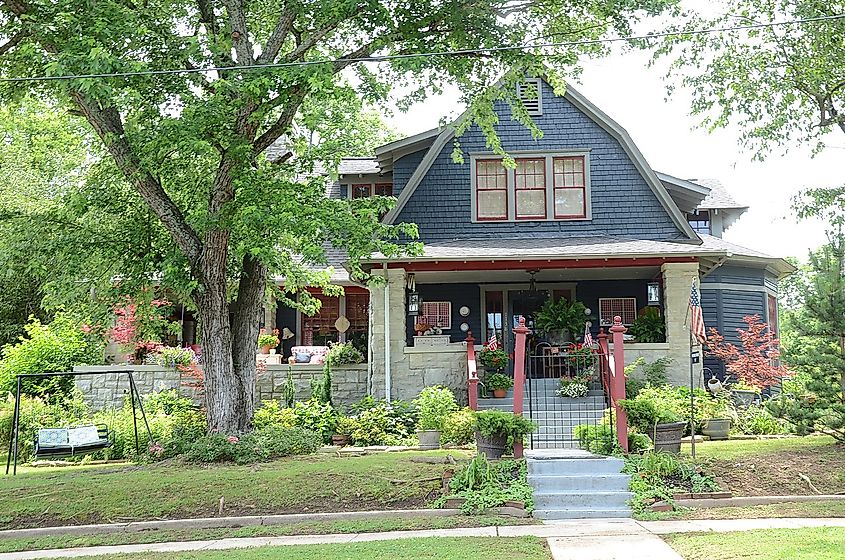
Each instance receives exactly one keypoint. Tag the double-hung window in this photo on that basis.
(491, 181)
(538, 187)
(366, 190)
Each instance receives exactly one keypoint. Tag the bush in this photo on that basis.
(492, 423)
(497, 381)
(485, 485)
(459, 427)
(658, 476)
(433, 406)
(261, 445)
(757, 420)
(57, 346)
(598, 439)
(343, 353)
(313, 415)
(270, 413)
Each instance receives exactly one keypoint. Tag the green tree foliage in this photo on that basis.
(780, 84)
(48, 348)
(187, 195)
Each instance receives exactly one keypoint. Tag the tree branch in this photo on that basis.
(12, 42)
(310, 42)
(277, 37)
(240, 34)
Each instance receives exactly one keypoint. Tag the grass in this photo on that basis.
(788, 509)
(772, 544)
(433, 548)
(740, 448)
(316, 483)
(311, 528)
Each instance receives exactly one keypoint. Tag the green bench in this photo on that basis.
(68, 442)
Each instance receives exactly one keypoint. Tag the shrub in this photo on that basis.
(380, 424)
(654, 375)
(645, 411)
(343, 353)
(269, 413)
(261, 445)
(433, 406)
(313, 415)
(649, 326)
(459, 427)
(57, 346)
(171, 356)
(757, 420)
(492, 423)
(598, 439)
(485, 485)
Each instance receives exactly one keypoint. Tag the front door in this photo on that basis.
(523, 303)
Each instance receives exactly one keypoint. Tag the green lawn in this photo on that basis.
(824, 543)
(311, 528)
(315, 483)
(433, 548)
(739, 448)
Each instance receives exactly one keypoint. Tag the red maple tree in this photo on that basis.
(754, 361)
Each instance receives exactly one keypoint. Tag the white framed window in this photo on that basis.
(625, 307)
(436, 314)
(541, 187)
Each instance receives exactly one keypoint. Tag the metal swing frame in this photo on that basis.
(12, 456)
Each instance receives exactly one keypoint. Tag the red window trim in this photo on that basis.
(377, 185)
(369, 189)
(582, 187)
(545, 213)
(477, 190)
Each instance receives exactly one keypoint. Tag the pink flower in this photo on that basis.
(232, 439)
(156, 449)
(86, 328)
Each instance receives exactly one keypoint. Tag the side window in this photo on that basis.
(491, 183)
(626, 308)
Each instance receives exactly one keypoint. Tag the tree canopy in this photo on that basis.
(781, 84)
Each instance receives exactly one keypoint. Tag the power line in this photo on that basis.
(388, 58)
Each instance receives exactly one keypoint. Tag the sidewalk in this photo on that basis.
(594, 539)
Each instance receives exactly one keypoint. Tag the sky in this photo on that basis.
(635, 96)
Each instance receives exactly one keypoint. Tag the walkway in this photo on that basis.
(594, 539)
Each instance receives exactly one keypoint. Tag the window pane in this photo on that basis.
(531, 204)
(360, 191)
(492, 204)
(384, 189)
(569, 202)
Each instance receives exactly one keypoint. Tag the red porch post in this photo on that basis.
(604, 357)
(617, 381)
(472, 372)
(520, 333)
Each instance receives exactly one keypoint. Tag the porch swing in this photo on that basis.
(54, 442)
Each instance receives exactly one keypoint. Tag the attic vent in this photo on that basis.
(529, 93)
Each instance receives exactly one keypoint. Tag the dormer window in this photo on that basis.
(540, 187)
(700, 221)
(529, 93)
(366, 190)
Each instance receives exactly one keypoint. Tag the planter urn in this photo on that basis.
(716, 428)
(341, 440)
(667, 437)
(265, 349)
(429, 439)
(492, 447)
(743, 397)
(500, 393)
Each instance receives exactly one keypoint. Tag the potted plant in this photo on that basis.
(716, 422)
(657, 419)
(268, 341)
(498, 383)
(580, 359)
(434, 405)
(559, 320)
(495, 430)
(574, 387)
(494, 361)
(649, 326)
(343, 431)
(743, 394)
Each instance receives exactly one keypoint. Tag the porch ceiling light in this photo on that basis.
(654, 293)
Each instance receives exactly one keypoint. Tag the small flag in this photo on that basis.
(493, 343)
(696, 323)
(588, 336)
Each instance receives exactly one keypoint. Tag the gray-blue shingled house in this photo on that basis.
(582, 216)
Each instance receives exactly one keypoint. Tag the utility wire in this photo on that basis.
(387, 58)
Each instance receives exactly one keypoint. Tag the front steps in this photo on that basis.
(575, 484)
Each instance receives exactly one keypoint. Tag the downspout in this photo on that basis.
(386, 334)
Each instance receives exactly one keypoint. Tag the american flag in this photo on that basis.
(696, 324)
(493, 343)
(588, 336)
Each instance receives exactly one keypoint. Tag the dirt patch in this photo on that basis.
(780, 474)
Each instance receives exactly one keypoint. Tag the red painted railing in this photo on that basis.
(617, 381)
(472, 372)
(520, 334)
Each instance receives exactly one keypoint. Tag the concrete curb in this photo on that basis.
(234, 522)
(704, 503)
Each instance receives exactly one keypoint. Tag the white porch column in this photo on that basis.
(270, 314)
(387, 332)
(677, 280)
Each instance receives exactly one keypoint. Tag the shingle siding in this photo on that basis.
(458, 295)
(403, 168)
(622, 202)
(736, 275)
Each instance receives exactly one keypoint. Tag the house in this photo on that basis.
(582, 216)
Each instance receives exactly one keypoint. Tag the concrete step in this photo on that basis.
(550, 484)
(539, 463)
(558, 514)
(581, 500)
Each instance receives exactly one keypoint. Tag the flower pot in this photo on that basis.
(492, 447)
(716, 428)
(341, 440)
(272, 351)
(429, 439)
(265, 350)
(667, 437)
(743, 398)
(500, 393)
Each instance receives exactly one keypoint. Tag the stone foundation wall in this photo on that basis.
(349, 382)
(107, 390)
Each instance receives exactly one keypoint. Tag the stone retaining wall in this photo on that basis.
(349, 382)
